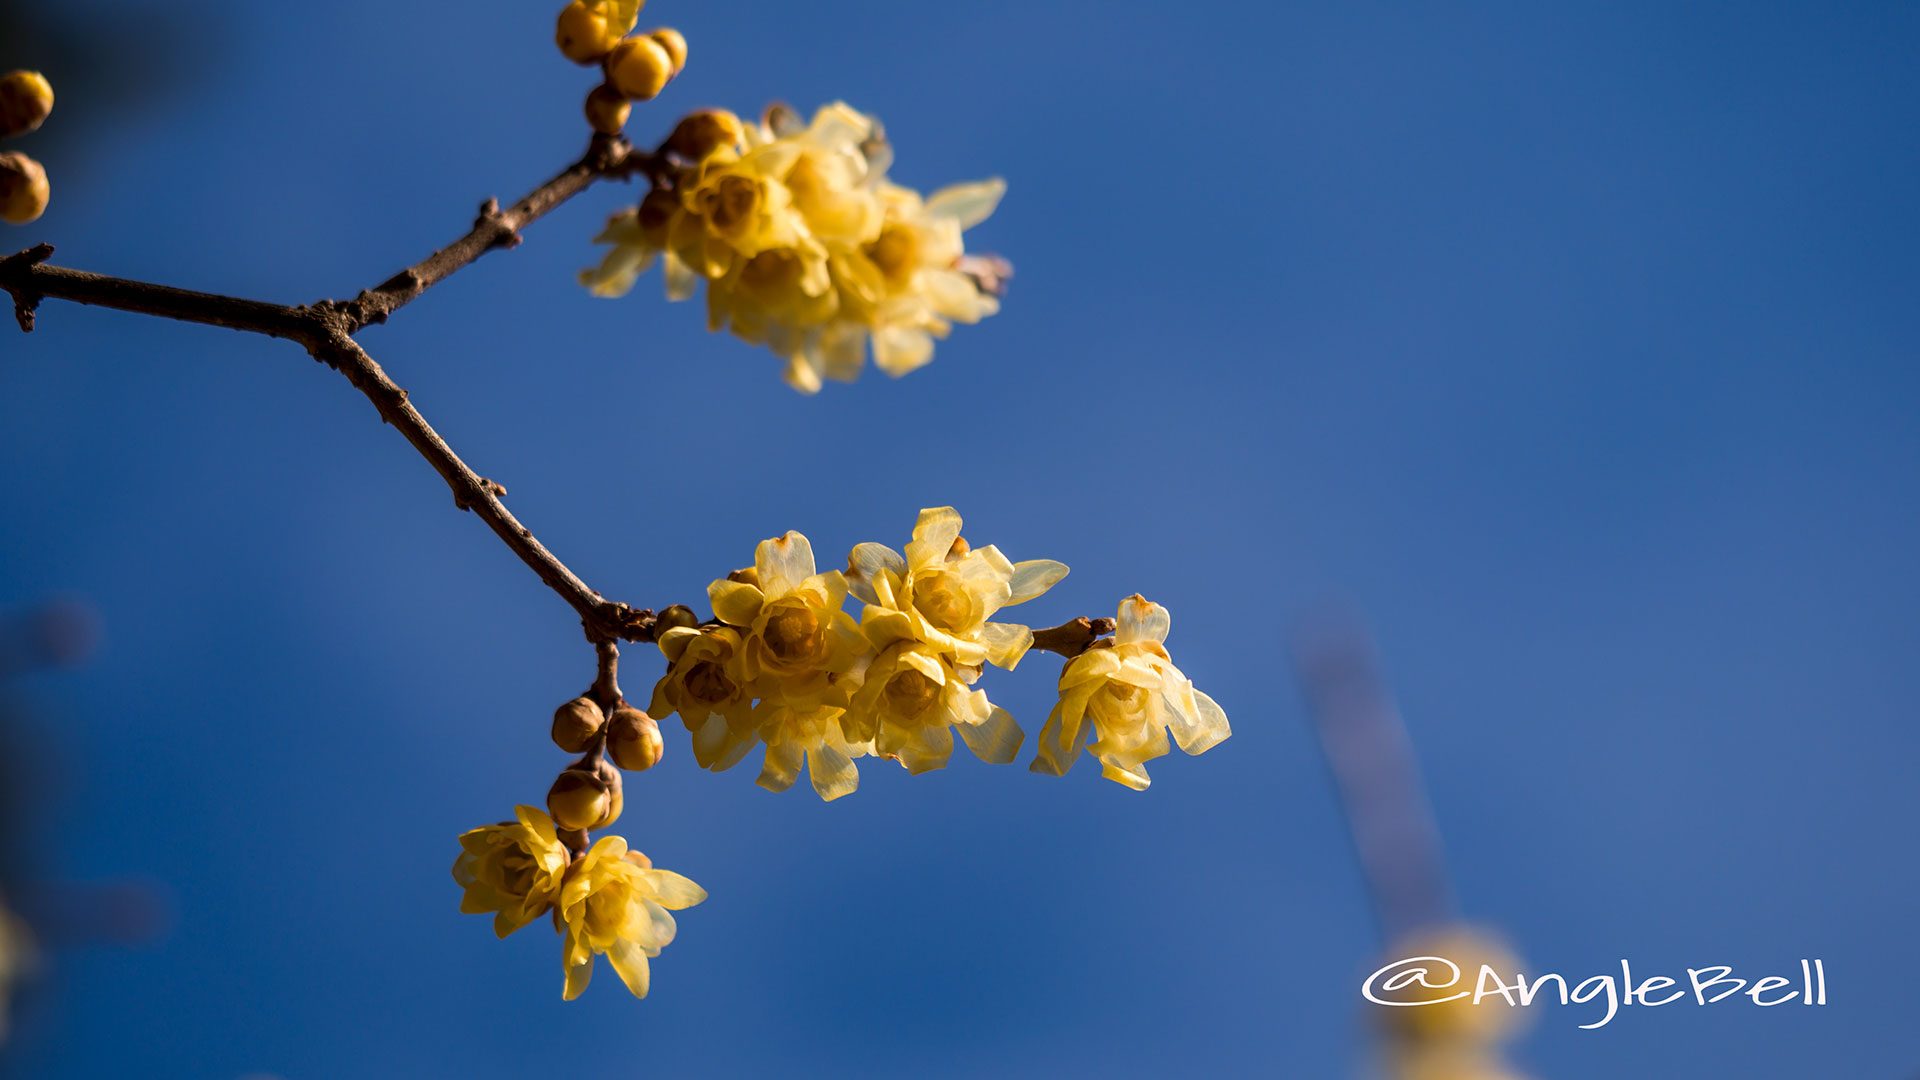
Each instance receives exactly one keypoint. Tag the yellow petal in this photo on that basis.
(784, 562)
(578, 975)
(1033, 577)
(833, 773)
(933, 536)
(630, 963)
(673, 891)
(735, 602)
(997, 740)
(1141, 620)
(968, 204)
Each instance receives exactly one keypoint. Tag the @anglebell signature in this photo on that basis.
(1418, 981)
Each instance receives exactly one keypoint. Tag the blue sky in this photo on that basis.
(1575, 345)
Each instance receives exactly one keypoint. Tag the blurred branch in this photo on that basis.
(1371, 756)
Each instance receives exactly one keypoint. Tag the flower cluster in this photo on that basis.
(604, 899)
(805, 245)
(783, 665)
(595, 32)
(26, 98)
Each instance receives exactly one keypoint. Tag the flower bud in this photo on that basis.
(26, 97)
(633, 740)
(676, 45)
(676, 617)
(639, 68)
(23, 189)
(607, 110)
(576, 723)
(701, 133)
(583, 34)
(580, 800)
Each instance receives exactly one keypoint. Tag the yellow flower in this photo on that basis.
(912, 699)
(1126, 696)
(799, 653)
(805, 246)
(614, 902)
(17, 960)
(705, 685)
(512, 869)
(943, 592)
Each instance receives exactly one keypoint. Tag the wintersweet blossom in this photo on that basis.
(615, 903)
(512, 869)
(799, 656)
(16, 960)
(805, 245)
(927, 614)
(1119, 700)
(704, 684)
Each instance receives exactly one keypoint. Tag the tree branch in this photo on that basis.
(495, 228)
(326, 330)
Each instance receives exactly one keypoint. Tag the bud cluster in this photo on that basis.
(26, 98)
(637, 68)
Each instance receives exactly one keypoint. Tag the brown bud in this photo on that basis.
(676, 45)
(576, 723)
(639, 68)
(23, 189)
(607, 110)
(580, 800)
(633, 740)
(701, 133)
(26, 97)
(677, 617)
(583, 34)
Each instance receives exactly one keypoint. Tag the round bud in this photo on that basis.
(579, 800)
(676, 45)
(26, 97)
(701, 133)
(23, 189)
(607, 110)
(679, 616)
(617, 802)
(576, 723)
(583, 34)
(639, 68)
(633, 740)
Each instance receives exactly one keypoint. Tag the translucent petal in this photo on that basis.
(865, 564)
(1211, 731)
(968, 204)
(833, 773)
(929, 667)
(784, 562)
(1033, 577)
(933, 536)
(682, 282)
(1006, 643)
(997, 740)
(673, 891)
(1142, 620)
(782, 766)
(1134, 776)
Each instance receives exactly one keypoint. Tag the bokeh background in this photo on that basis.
(1573, 344)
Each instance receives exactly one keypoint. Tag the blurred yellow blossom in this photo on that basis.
(912, 699)
(614, 902)
(805, 245)
(1125, 696)
(512, 869)
(16, 960)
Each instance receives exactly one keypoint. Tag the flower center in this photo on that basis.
(910, 693)
(896, 252)
(794, 634)
(735, 202)
(942, 599)
(707, 681)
